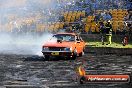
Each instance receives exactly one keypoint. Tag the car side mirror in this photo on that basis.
(77, 39)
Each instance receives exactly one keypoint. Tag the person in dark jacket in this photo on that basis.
(102, 31)
(108, 29)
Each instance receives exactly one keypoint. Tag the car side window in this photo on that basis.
(72, 38)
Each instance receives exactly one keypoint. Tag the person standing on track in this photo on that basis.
(108, 29)
(102, 31)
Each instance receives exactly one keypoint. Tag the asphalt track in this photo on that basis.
(32, 71)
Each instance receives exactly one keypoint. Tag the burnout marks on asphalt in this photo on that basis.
(59, 73)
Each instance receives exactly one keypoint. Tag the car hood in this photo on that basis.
(58, 44)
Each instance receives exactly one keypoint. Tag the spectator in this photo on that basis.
(102, 31)
(102, 13)
(73, 28)
(61, 18)
(107, 16)
(97, 17)
(128, 22)
(108, 29)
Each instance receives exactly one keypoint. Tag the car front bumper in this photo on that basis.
(57, 53)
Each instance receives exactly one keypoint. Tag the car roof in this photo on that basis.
(67, 33)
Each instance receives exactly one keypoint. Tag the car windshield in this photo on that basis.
(64, 37)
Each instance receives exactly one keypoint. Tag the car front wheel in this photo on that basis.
(74, 56)
(46, 57)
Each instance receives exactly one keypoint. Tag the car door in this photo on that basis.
(82, 44)
(79, 44)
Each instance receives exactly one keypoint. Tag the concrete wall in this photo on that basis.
(97, 37)
(109, 50)
(106, 50)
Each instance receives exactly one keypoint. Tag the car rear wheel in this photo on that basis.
(47, 57)
(81, 54)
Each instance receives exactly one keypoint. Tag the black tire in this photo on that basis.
(47, 57)
(74, 55)
(81, 54)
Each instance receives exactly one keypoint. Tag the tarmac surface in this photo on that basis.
(32, 71)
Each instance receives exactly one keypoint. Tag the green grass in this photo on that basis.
(95, 41)
(113, 45)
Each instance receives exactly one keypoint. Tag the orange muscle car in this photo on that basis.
(68, 45)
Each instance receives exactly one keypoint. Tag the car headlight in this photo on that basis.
(45, 48)
(68, 49)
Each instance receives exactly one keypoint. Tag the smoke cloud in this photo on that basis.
(23, 44)
(11, 3)
(18, 3)
(18, 38)
(11, 12)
